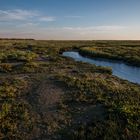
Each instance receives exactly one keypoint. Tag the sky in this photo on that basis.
(70, 19)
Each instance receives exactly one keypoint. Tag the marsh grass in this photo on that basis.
(95, 104)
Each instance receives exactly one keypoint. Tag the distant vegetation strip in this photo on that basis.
(130, 55)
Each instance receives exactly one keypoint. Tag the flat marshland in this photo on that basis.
(44, 95)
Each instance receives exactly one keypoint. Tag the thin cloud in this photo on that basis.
(16, 15)
(47, 19)
(29, 24)
(94, 32)
(24, 15)
(74, 17)
(96, 28)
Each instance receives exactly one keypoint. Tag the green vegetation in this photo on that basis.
(16, 55)
(127, 53)
(121, 105)
(44, 95)
(14, 114)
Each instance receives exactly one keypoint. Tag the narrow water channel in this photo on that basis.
(119, 68)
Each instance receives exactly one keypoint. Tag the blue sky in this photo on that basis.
(70, 19)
